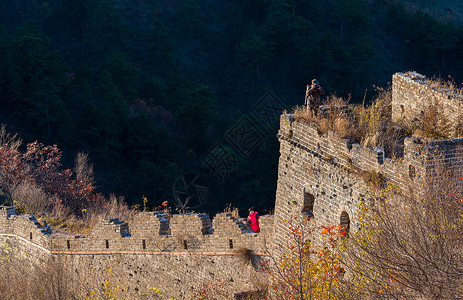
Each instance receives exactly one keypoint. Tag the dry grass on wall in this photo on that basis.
(373, 126)
(368, 126)
(115, 207)
(333, 115)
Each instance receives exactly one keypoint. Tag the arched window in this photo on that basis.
(345, 222)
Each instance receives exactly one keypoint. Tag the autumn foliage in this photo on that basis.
(35, 182)
(41, 166)
(409, 244)
(308, 265)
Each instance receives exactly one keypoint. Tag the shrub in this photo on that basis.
(409, 244)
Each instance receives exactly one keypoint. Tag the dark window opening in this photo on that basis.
(185, 244)
(30, 235)
(345, 222)
(309, 200)
(107, 244)
(230, 243)
(143, 244)
(68, 244)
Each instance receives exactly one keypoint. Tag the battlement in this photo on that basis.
(326, 176)
(341, 153)
(178, 253)
(146, 232)
(413, 93)
(332, 149)
(6, 211)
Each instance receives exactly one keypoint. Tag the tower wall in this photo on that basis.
(413, 94)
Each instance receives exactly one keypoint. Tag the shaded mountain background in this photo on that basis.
(154, 90)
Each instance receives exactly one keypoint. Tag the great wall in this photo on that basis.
(151, 251)
(316, 177)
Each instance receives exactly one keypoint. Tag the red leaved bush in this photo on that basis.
(40, 167)
(44, 164)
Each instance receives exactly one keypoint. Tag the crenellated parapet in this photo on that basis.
(6, 211)
(413, 94)
(303, 137)
(146, 224)
(110, 228)
(147, 232)
(176, 253)
(24, 226)
(419, 154)
(190, 224)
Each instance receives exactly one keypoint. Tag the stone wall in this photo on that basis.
(322, 167)
(176, 254)
(336, 173)
(413, 93)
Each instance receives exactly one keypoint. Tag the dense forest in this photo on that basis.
(178, 99)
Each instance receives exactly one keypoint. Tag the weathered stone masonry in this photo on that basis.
(412, 94)
(173, 255)
(319, 174)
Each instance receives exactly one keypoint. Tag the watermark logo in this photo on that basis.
(245, 136)
(221, 160)
(239, 142)
(268, 109)
(190, 190)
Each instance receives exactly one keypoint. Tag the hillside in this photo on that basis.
(153, 89)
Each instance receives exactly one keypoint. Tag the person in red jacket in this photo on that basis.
(253, 220)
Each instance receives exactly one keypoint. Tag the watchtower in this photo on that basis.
(324, 177)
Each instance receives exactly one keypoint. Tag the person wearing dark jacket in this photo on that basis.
(312, 96)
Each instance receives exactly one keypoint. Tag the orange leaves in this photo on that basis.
(332, 231)
(308, 264)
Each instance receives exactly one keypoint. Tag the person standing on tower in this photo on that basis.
(312, 96)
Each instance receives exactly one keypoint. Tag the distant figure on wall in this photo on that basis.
(253, 220)
(312, 96)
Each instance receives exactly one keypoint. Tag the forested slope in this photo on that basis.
(150, 88)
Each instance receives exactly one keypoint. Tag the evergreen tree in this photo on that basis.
(74, 13)
(159, 48)
(123, 74)
(255, 53)
(10, 91)
(352, 16)
(41, 82)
